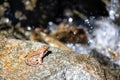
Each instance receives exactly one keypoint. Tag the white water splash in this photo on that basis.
(79, 48)
(106, 36)
(106, 33)
(112, 8)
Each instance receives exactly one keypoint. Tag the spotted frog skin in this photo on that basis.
(35, 57)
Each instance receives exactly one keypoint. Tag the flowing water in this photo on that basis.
(105, 37)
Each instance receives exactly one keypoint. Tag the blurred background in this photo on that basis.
(83, 26)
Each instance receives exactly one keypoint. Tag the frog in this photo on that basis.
(35, 58)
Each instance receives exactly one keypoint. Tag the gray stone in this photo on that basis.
(57, 64)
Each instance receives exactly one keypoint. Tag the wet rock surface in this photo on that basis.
(57, 64)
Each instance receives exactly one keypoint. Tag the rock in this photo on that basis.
(57, 64)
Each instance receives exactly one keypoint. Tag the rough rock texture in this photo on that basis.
(58, 64)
